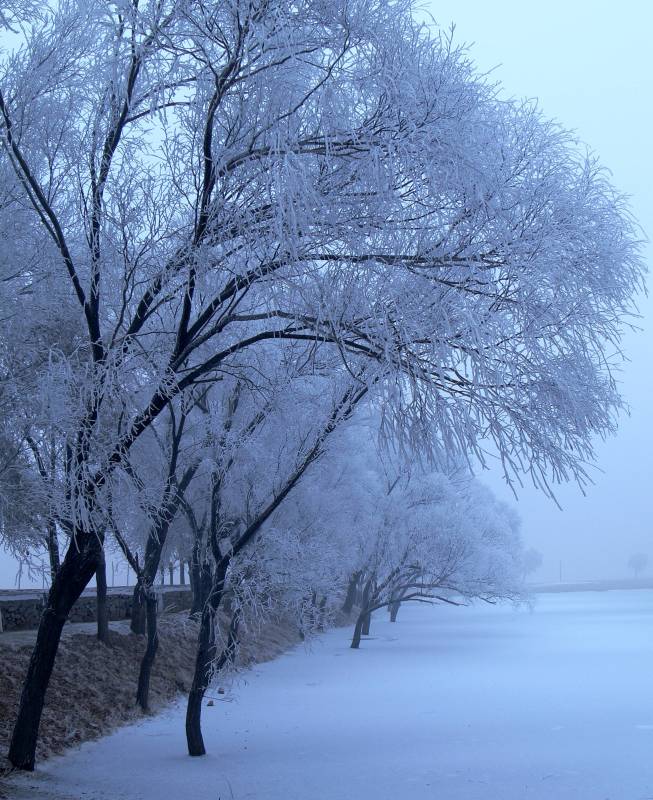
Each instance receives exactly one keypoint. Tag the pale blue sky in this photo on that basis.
(589, 65)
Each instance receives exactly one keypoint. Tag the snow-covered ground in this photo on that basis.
(449, 703)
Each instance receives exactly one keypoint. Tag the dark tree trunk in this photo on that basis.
(205, 584)
(144, 609)
(358, 629)
(77, 569)
(182, 572)
(171, 573)
(196, 579)
(102, 605)
(362, 622)
(394, 607)
(143, 690)
(200, 585)
(53, 550)
(204, 662)
(205, 654)
(137, 623)
(201, 581)
(367, 619)
(352, 592)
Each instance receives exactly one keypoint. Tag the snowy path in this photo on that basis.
(448, 704)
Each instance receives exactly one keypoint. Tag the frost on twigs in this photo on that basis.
(186, 184)
(318, 202)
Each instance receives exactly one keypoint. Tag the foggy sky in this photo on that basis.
(588, 64)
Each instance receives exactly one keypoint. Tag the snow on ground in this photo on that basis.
(484, 703)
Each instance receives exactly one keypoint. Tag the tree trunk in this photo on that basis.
(201, 586)
(205, 584)
(205, 653)
(137, 623)
(196, 580)
(358, 628)
(101, 603)
(144, 606)
(359, 594)
(143, 691)
(363, 618)
(367, 619)
(77, 569)
(171, 573)
(203, 662)
(53, 550)
(352, 591)
(394, 610)
(182, 572)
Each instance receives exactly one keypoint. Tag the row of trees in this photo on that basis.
(240, 239)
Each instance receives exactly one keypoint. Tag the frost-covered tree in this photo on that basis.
(35, 334)
(25, 530)
(300, 563)
(420, 533)
(260, 459)
(637, 563)
(410, 535)
(158, 474)
(205, 178)
(531, 561)
(439, 540)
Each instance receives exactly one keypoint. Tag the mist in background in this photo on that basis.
(589, 66)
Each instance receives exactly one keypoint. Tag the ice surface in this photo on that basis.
(482, 703)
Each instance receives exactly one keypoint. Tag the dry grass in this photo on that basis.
(93, 686)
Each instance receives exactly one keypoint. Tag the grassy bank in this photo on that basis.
(93, 686)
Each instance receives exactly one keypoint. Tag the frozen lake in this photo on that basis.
(482, 703)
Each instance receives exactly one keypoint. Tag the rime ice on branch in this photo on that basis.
(194, 186)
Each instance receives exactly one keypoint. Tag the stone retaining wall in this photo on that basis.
(24, 613)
